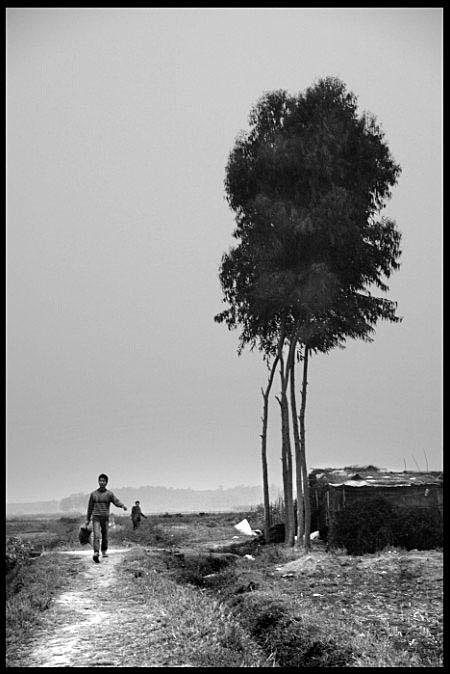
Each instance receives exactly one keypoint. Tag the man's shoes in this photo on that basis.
(104, 554)
(95, 558)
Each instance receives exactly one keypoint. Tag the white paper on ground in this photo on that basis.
(244, 528)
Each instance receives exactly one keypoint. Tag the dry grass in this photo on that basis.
(31, 587)
(383, 609)
(279, 608)
(200, 630)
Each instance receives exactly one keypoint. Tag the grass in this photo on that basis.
(31, 586)
(337, 613)
(203, 631)
(320, 609)
(383, 609)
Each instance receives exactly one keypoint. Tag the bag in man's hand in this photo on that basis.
(84, 534)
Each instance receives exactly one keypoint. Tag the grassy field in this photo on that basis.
(267, 605)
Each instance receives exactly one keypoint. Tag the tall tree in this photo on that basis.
(307, 184)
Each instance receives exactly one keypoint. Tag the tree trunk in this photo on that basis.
(267, 517)
(298, 459)
(286, 453)
(303, 454)
(286, 456)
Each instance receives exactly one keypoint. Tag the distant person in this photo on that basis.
(98, 509)
(136, 514)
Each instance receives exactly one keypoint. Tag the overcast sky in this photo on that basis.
(119, 126)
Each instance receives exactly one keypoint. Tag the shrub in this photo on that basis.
(363, 526)
(418, 528)
(17, 557)
(17, 552)
(276, 533)
(368, 526)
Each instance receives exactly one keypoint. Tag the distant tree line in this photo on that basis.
(170, 499)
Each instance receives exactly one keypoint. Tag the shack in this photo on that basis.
(333, 488)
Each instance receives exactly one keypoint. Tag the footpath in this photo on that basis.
(99, 620)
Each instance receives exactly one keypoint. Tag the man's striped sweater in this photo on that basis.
(99, 502)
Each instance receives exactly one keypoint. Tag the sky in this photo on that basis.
(119, 125)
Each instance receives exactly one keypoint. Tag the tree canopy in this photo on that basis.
(307, 184)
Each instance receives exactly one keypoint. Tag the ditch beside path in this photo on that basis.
(98, 620)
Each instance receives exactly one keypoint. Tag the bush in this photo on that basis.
(364, 527)
(276, 533)
(418, 528)
(17, 554)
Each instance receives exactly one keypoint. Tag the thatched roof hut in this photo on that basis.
(333, 488)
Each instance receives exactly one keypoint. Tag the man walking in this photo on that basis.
(136, 515)
(98, 508)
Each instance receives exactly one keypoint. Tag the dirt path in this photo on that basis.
(99, 620)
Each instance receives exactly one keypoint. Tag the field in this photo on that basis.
(232, 601)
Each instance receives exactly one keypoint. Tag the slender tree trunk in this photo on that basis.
(265, 394)
(298, 458)
(303, 454)
(286, 453)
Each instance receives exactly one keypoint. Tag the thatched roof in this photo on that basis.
(370, 476)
